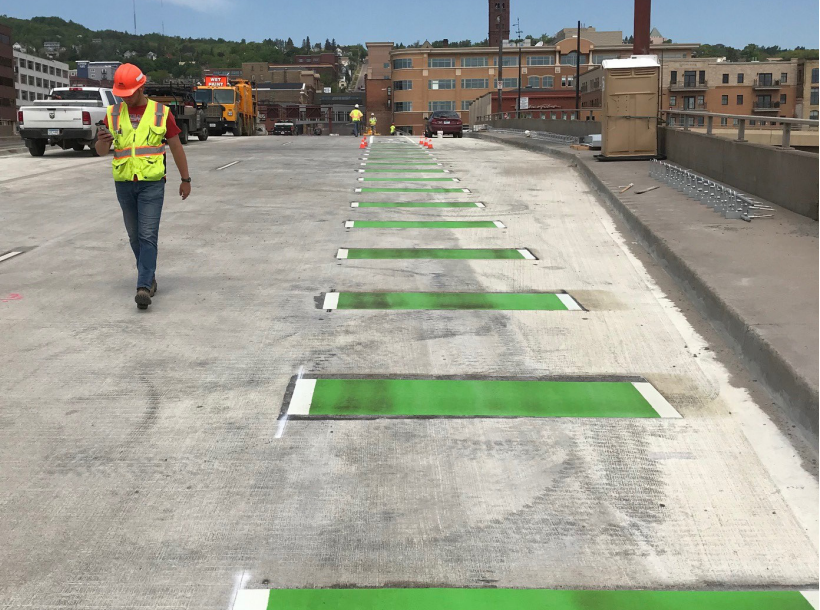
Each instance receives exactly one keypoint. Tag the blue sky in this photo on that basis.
(706, 21)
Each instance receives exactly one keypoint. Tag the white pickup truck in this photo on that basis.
(68, 119)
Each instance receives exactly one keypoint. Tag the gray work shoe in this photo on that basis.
(154, 287)
(143, 298)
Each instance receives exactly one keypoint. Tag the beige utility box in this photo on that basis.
(629, 121)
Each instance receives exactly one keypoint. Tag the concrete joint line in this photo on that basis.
(227, 166)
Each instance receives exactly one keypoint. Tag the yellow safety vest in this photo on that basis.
(392, 129)
(356, 114)
(373, 120)
(138, 153)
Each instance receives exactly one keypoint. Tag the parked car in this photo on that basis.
(67, 118)
(446, 121)
(284, 128)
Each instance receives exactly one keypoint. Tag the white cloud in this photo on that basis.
(200, 5)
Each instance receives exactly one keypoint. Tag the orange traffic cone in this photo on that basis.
(430, 144)
(421, 140)
(363, 143)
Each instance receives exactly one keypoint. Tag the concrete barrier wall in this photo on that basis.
(565, 128)
(788, 178)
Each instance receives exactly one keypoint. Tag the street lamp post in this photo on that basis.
(500, 81)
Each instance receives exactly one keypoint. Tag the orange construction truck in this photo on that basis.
(231, 107)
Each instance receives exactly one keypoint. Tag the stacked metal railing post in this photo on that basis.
(724, 200)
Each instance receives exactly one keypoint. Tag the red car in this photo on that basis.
(447, 121)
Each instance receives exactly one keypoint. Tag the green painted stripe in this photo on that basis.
(450, 300)
(424, 224)
(465, 253)
(402, 179)
(409, 190)
(530, 599)
(478, 398)
(404, 163)
(417, 204)
(404, 171)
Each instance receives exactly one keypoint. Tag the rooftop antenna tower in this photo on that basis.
(134, 2)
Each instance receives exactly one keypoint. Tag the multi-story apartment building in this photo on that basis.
(405, 85)
(807, 89)
(7, 106)
(97, 70)
(36, 77)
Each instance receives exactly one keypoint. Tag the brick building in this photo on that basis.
(8, 108)
(499, 21)
(807, 89)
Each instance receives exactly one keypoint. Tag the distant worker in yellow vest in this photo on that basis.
(373, 123)
(392, 129)
(139, 128)
(356, 116)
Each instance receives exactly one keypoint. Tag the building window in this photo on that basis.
(473, 62)
(724, 100)
(441, 62)
(735, 122)
(36, 67)
(813, 96)
(548, 82)
(739, 100)
(724, 122)
(508, 61)
(475, 83)
(813, 115)
(752, 123)
(24, 94)
(782, 98)
(814, 75)
(784, 78)
(402, 85)
(340, 116)
(598, 58)
(30, 65)
(440, 105)
(442, 83)
(386, 65)
(465, 104)
(740, 78)
(39, 82)
(403, 107)
(701, 101)
(401, 64)
(51, 70)
(52, 84)
(725, 79)
(540, 60)
(571, 59)
(700, 121)
(702, 77)
(31, 80)
(534, 82)
(510, 83)
(673, 100)
(673, 77)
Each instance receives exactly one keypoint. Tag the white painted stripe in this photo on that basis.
(302, 397)
(478, 204)
(361, 179)
(357, 190)
(445, 171)
(362, 163)
(342, 253)
(355, 204)
(655, 400)
(228, 165)
(331, 300)
(8, 256)
(813, 597)
(526, 254)
(349, 224)
(499, 224)
(465, 190)
(252, 599)
(371, 140)
(456, 180)
(569, 302)
(361, 171)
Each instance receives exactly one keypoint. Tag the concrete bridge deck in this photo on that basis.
(250, 431)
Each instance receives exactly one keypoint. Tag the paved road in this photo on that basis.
(145, 460)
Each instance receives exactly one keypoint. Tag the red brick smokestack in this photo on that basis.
(643, 9)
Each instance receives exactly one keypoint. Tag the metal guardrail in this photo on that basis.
(785, 123)
(723, 199)
(543, 113)
(546, 136)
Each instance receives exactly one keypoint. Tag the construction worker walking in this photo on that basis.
(356, 116)
(139, 129)
(373, 123)
(392, 129)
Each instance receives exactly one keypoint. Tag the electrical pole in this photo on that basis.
(500, 63)
(578, 74)
(518, 41)
(135, 16)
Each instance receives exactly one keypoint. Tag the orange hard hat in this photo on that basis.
(127, 79)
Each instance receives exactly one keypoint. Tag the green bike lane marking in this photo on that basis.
(403, 179)
(424, 224)
(519, 599)
(408, 398)
(391, 189)
(384, 170)
(435, 253)
(416, 204)
(400, 163)
(499, 301)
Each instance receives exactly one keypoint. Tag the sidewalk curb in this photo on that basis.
(792, 392)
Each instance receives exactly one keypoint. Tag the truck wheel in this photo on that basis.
(203, 134)
(37, 148)
(183, 136)
(237, 130)
(78, 148)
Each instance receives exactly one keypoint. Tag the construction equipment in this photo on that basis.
(232, 108)
(188, 113)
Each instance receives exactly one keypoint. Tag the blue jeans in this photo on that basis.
(141, 204)
(356, 128)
